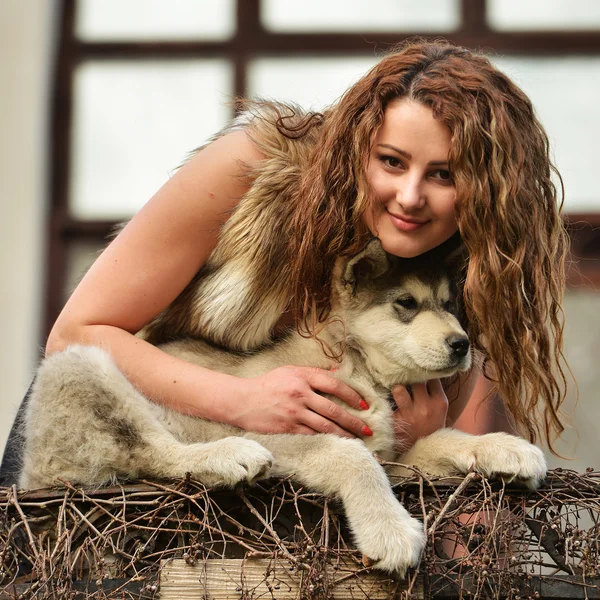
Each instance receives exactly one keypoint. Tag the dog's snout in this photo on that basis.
(459, 345)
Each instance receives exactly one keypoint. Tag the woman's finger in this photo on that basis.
(300, 429)
(420, 392)
(320, 424)
(338, 415)
(323, 381)
(434, 399)
(402, 398)
(435, 388)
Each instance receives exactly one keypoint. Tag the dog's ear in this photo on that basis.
(370, 264)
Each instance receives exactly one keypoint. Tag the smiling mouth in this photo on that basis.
(405, 224)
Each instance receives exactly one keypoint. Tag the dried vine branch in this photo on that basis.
(487, 539)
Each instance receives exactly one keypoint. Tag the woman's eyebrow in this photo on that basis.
(401, 152)
(408, 155)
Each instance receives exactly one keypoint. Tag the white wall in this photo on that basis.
(26, 68)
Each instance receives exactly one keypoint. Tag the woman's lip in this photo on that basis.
(405, 224)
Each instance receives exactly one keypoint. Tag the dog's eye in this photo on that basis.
(448, 306)
(407, 302)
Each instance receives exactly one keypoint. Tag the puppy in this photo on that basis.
(397, 323)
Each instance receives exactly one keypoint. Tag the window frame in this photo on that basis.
(252, 40)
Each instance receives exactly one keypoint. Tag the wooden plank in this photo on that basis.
(224, 579)
(79, 590)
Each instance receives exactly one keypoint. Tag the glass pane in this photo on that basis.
(543, 14)
(134, 122)
(80, 256)
(111, 20)
(313, 83)
(582, 341)
(358, 15)
(565, 93)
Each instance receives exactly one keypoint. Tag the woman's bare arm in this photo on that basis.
(466, 391)
(483, 411)
(144, 269)
(151, 261)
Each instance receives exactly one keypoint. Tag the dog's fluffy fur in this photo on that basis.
(242, 290)
(86, 423)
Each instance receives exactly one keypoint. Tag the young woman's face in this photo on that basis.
(408, 173)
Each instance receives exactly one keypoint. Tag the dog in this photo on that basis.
(398, 324)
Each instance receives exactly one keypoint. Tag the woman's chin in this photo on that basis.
(403, 248)
(410, 244)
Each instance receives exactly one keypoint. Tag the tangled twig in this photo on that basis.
(486, 539)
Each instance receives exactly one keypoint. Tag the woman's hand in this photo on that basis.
(288, 400)
(420, 412)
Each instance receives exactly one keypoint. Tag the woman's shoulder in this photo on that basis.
(262, 135)
(277, 129)
(270, 113)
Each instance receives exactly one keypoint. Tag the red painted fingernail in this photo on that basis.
(363, 405)
(366, 431)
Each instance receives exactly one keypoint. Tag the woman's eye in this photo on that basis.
(443, 176)
(391, 161)
(407, 302)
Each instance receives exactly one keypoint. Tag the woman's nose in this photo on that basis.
(410, 193)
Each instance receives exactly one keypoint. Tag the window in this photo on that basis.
(141, 83)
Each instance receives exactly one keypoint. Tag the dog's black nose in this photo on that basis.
(459, 345)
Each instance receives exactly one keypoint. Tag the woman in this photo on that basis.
(431, 142)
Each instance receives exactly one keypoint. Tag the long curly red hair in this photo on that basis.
(507, 210)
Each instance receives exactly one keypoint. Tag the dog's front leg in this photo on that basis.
(383, 529)
(87, 424)
(450, 452)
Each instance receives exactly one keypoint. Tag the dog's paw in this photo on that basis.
(448, 452)
(235, 459)
(510, 458)
(394, 543)
(500, 455)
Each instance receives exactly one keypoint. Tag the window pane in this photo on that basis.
(135, 122)
(358, 15)
(565, 94)
(313, 83)
(543, 14)
(582, 341)
(155, 19)
(80, 256)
